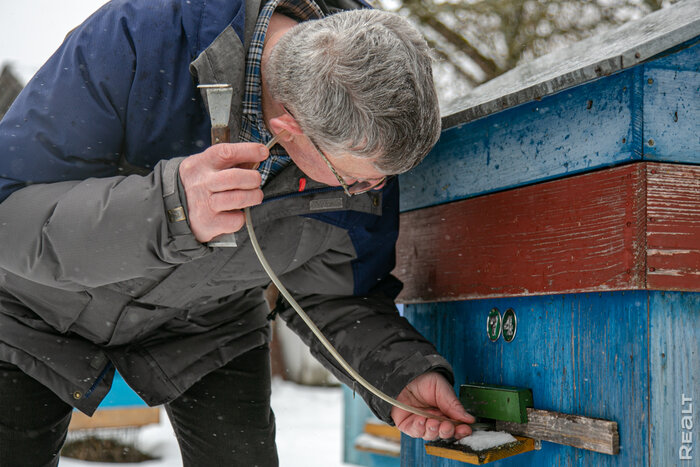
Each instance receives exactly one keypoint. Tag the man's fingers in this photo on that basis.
(446, 430)
(455, 410)
(218, 183)
(450, 405)
(433, 393)
(432, 430)
(235, 199)
(413, 426)
(462, 430)
(238, 179)
(228, 155)
(429, 429)
(227, 222)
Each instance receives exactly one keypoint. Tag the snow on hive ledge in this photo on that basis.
(483, 440)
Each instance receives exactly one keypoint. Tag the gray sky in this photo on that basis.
(31, 30)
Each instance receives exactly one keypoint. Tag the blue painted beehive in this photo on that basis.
(568, 190)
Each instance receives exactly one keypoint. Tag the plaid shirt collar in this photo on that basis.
(252, 125)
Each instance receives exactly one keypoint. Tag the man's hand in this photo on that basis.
(219, 183)
(433, 393)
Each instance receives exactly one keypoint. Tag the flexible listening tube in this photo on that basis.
(317, 332)
(326, 343)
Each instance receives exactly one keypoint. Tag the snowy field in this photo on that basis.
(309, 433)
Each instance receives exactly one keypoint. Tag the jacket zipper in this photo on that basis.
(98, 379)
(305, 192)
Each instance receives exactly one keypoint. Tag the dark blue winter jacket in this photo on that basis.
(94, 274)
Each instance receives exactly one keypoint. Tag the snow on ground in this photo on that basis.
(309, 431)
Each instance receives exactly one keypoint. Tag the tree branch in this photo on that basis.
(489, 67)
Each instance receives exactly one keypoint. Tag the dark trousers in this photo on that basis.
(225, 419)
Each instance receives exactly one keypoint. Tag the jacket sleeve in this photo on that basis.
(64, 202)
(68, 123)
(376, 342)
(349, 293)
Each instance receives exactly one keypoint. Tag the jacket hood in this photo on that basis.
(204, 20)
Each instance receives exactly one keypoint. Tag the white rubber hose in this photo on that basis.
(317, 332)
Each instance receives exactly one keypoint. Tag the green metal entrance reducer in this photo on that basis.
(511, 409)
(504, 403)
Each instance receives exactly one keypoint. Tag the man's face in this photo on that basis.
(305, 155)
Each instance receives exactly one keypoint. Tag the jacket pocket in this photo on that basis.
(138, 319)
(40, 306)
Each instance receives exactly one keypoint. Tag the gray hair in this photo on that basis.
(360, 83)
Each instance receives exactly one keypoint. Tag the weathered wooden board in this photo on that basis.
(382, 430)
(578, 234)
(628, 357)
(673, 227)
(599, 55)
(378, 446)
(115, 418)
(576, 130)
(490, 455)
(674, 376)
(573, 430)
(625, 228)
(671, 89)
(648, 112)
(584, 354)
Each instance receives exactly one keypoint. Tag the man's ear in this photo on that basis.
(285, 126)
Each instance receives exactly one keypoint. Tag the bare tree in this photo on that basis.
(477, 40)
(10, 87)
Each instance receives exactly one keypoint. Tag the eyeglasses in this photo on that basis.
(356, 188)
